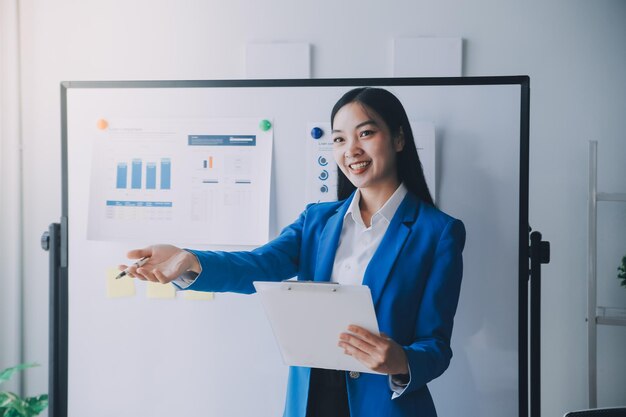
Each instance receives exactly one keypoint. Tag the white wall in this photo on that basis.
(574, 52)
(10, 193)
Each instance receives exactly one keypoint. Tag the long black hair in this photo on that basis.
(391, 111)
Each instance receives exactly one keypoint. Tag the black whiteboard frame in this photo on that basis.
(58, 337)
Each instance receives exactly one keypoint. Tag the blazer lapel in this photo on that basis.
(329, 241)
(379, 268)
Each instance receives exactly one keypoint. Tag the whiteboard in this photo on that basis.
(140, 356)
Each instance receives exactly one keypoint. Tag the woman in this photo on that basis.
(384, 232)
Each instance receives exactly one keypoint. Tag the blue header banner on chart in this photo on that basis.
(222, 140)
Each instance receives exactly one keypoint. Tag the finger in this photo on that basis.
(358, 354)
(127, 269)
(350, 349)
(136, 276)
(148, 274)
(365, 334)
(357, 342)
(139, 253)
(132, 269)
(133, 272)
(161, 277)
(374, 360)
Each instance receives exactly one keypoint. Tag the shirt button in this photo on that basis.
(354, 374)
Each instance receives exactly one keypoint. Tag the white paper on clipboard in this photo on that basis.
(307, 318)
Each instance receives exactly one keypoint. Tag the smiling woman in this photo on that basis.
(366, 154)
(384, 232)
(388, 114)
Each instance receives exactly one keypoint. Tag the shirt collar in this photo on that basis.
(386, 211)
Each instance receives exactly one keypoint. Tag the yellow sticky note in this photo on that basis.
(116, 288)
(198, 295)
(157, 290)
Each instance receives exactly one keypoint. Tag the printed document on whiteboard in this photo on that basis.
(321, 169)
(197, 181)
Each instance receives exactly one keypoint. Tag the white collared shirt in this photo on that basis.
(357, 242)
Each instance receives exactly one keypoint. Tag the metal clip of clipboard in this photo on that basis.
(333, 286)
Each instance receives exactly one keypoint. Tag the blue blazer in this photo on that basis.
(414, 277)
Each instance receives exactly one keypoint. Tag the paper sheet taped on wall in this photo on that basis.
(158, 290)
(197, 181)
(117, 288)
(278, 60)
(427, 57)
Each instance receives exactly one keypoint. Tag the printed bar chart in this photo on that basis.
(166, 174)
(122, 174)
(136, 174)
(208, 163)
(151, 176)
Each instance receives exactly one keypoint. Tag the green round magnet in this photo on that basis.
(265, 125)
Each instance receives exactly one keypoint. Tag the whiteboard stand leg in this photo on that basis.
(539, 254)
(57, 379)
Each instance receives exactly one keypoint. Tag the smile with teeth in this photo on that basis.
(358, 166)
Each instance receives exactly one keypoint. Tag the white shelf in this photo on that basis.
(597, 315)
(612, 316)
(611, 197)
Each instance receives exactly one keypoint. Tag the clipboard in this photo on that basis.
(307, 318)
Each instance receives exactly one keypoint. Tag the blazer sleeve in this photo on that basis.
(429, 355)
(235, 271)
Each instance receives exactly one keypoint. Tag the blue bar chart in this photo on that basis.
(151, 176)
(135, 182)
(166, 174)
(137, 174)
(122, 174)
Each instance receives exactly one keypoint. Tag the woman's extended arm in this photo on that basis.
(224, 271)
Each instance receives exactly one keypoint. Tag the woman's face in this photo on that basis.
(363, 148)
